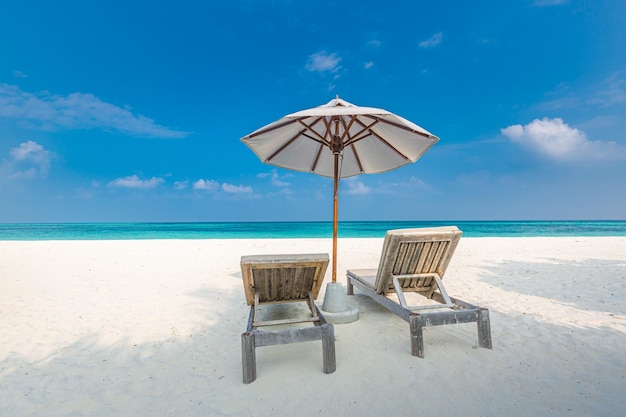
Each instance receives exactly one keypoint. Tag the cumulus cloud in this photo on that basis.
(212, 186)
(29, 160)
(236, 189)
(47, 111)
(556, 140)
(432, 41)
(323, 62)
(206, 185)
(135, 182)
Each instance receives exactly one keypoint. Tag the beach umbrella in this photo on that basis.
(340, 140)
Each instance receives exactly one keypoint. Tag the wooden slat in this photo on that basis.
(283, 277)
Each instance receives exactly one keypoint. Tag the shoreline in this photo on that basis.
(152, 327)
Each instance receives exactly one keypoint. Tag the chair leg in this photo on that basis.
(328, 348)
(350, 287)
(248, 356)
(417, 338)
(484, 329)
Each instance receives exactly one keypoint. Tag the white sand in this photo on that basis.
(152, 328)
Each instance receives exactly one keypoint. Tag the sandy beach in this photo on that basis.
(152, 328)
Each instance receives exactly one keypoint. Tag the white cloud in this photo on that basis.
(76, 111)
(134, 181)
(236, 189)
(276, 179)
(368, 64)
(555, 139)
(28, 161)
(432, 41)
(19, 74)
(356, 187)
(323, 62)
(181, 185)
(611, 92)
(206, 185)
(212, 185)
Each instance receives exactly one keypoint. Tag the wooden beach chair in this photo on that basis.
(273, 279)
(414, 261)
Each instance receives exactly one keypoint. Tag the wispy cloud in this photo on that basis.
(276, 179)
(554, 139)
(135, 182)
(47, 111)
(356, 187)
(323, 62)
(29, 160)
(19, 74)
(609, 92)
(434, 40)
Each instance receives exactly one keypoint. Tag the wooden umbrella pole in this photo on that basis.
(335, 216)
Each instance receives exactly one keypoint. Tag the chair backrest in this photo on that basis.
(424, 251)
(283, 278)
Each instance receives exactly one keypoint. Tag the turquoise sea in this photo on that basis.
(264, 230)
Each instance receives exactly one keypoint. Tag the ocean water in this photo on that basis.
(264, 230)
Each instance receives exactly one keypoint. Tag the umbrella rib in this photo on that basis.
(282, 148)
(271, 128)
(358, 160)
(380, 138)
(368, 128)
(317, 158)
(393, 148)
(362, 134)
(310, 129)
(400, 126)
(302, 132)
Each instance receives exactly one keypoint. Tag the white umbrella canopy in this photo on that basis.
(340, 140)
(371, 140)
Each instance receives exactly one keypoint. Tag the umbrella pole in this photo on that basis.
(335, 307)
(335, 216)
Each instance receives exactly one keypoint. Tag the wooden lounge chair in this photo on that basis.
(271, 279)
(415, 260)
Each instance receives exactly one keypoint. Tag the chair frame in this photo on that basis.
(274, 290)
(449, 310)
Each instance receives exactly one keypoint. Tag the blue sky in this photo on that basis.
(133, 110)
